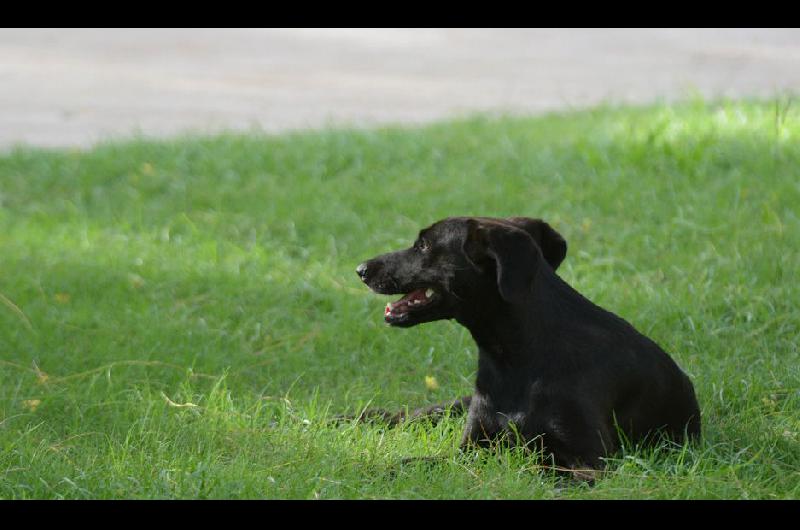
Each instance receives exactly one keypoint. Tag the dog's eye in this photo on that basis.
(422, 245)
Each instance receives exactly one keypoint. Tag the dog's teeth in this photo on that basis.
(429, 293)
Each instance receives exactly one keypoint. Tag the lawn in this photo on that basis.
(178, 319)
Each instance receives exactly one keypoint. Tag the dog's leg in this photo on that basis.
(433, 413)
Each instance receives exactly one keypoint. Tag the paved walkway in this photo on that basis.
(74, 87)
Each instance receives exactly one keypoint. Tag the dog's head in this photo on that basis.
(461, 264)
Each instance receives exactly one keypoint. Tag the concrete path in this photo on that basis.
(74, 87)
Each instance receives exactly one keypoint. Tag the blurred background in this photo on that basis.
(73, 87)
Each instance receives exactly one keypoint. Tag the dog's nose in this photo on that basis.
(361, 270)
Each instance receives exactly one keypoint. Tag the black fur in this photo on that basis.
(554, 369)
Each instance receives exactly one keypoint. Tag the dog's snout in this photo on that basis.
(361, 270)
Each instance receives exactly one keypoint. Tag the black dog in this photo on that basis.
(553, 368)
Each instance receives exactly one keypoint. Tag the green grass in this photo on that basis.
(217, 273)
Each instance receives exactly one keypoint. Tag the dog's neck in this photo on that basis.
(515, 342)
(517, 335)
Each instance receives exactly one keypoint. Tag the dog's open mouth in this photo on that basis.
(414, 301)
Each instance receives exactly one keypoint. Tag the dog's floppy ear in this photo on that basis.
(515, 255)
(551, 243)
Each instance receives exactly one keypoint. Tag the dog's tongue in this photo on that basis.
(420, 296)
